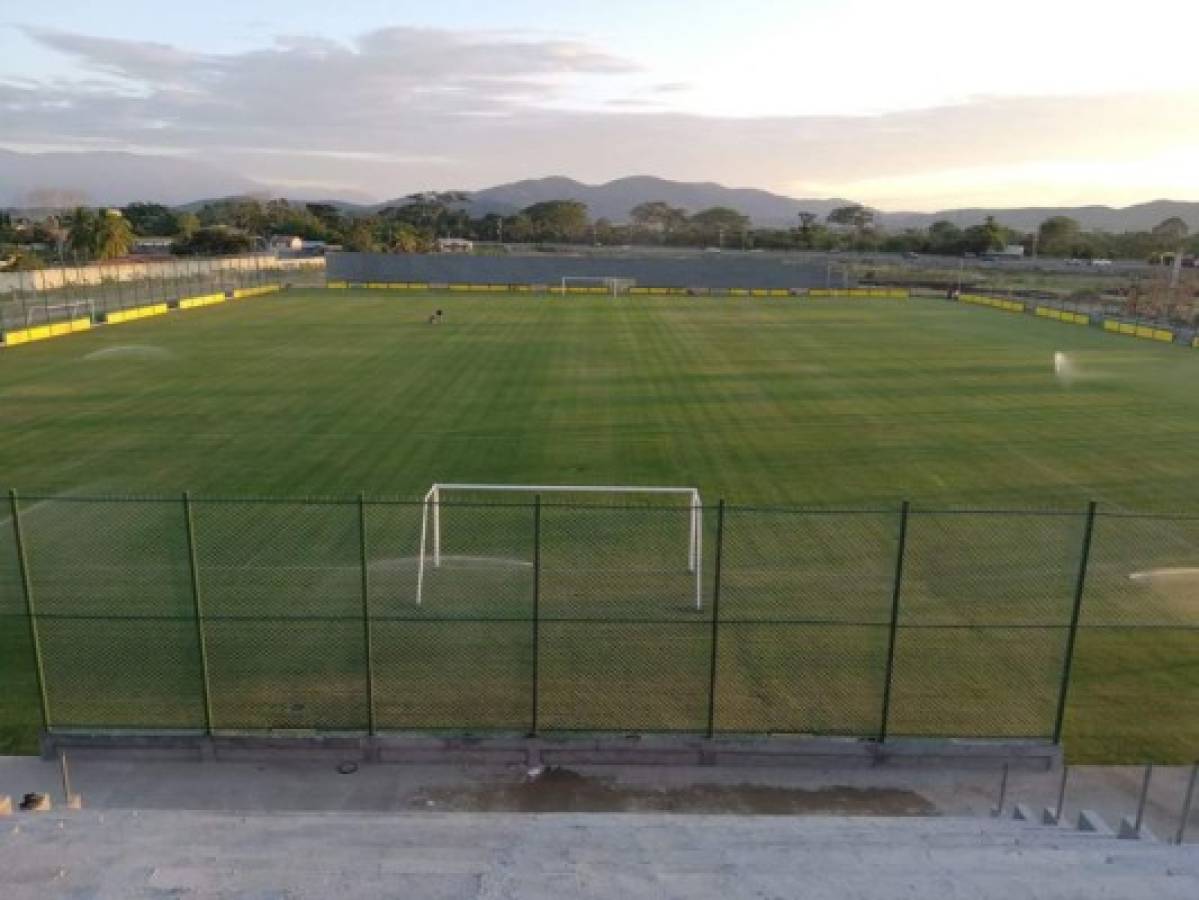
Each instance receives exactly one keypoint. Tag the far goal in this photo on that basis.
(597, 284)
(653, 550)
(60, 312)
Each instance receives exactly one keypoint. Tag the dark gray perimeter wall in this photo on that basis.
(709, 271)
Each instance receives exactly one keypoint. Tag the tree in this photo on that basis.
(360, 238)
(214, 240)
(114, 236)
(329, 214)
(720, 217)
(1171, 232)
(945, 238)
(151, 219)
(186, 224)
(1058, 236)
(854, 217)
(21, 261)
(558, 220)
(518, 228)
(807, 225)
(244, 213)
(436, 213)
(659, 216)
(81, 232)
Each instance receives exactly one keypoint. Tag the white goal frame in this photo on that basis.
(615, 284)
(430, 520)
(70, 307)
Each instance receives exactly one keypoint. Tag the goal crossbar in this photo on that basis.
(430, 522)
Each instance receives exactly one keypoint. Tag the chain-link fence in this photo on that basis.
(63, 293)
(341, 616)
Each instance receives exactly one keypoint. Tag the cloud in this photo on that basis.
(400, 109)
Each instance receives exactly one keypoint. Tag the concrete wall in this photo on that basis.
(57, 277)
(708, 271)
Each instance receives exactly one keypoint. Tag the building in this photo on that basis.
(152, 246)
(286, 242)
(455, 245)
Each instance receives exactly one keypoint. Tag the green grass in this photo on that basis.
(764, 402)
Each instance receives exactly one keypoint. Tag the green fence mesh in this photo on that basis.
(351, 615)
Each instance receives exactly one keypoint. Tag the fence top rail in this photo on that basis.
(993, 511)
(49, 496)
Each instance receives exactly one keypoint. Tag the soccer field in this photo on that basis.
(785, 401)
(815, 403)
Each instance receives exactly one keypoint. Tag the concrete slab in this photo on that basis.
(571, 750)
(316, 785)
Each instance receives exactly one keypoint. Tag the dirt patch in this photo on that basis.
(559, 789)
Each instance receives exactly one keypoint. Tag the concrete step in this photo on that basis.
(476, 855)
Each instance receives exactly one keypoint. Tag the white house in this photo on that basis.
(286, 242)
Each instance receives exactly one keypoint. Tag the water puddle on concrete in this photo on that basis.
(559, 789)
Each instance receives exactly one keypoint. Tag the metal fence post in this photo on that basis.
(198, 608)
(1186, 805)
(712, 665)
(536, 607)
(1075, 614)
(893, 631)
(366, 617)
(1061, 795)
(30, 613)
(998, 810)
(1141, 800)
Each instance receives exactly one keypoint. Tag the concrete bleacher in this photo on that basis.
(140, 853)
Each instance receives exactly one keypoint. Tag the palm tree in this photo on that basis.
(81, 232)
(114, 236)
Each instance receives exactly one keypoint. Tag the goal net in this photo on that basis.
(596, 284)
(60, 312)
(642, 547)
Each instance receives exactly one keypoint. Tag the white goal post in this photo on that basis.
(430, 522)
(75, 309)
(612, 284)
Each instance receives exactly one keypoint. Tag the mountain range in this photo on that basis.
(117, 178)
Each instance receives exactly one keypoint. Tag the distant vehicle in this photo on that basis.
(911, 254)
(1101, 262)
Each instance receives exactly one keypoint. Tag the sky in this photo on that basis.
(921, 105)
